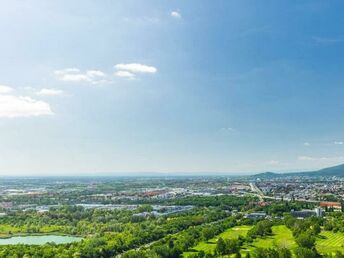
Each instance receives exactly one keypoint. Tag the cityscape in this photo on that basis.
(259, 215)
(171, 129)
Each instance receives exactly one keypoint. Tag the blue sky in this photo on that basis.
(121, 87)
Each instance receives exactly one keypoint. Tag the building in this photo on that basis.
(255, 215)
(317, 212)
(331, 205)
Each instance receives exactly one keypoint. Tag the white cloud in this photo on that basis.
(307, 144)
(338, 143)
(125, 74)
(95, 73)
(76, 75)
(136, 68)
(176, 14)
(129, 71)
(18, 106)
(49, 92)
(5, 89)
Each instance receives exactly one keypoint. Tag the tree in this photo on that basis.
(207, 233)
(338, 254)
(220, 246)
(145, 208)
(284, 253)
(262, 228)
(305, 253)
(232, 246)
(135, 254)
(266, 253)
(305, 240)
(316, 229)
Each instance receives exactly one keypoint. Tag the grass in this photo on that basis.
(330, 242)
(210, 245)
(281, 237)
(327, 242)
(7, 231)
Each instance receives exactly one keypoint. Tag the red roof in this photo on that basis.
(331, 204)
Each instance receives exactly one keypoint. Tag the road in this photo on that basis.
(258, 192)
(261, 195)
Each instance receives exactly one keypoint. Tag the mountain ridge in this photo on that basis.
(337, 171)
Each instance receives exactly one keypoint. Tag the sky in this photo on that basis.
(175, 87)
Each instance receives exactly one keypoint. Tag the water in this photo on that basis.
(39, 240)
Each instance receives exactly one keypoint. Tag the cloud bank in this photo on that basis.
(76, 75)
(20, 106)
(49, 92)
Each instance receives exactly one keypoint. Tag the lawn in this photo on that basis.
(329, 242)
(281, 237)
(210, 245)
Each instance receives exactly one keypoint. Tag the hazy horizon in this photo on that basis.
(166, 86)
(157, 173)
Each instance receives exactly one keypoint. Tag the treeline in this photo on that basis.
(173, 246)
(305, 233)
(335, 222)
(107, 233)
(282, 207)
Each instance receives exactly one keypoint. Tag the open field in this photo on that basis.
(329, 242)
(209, 246)
(282, 237)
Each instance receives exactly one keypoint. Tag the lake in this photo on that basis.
(39, 240)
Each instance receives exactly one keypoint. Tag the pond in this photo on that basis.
(39, 240)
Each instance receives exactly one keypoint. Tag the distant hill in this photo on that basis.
(337, 171)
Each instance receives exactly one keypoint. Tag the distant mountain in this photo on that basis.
(337, 171)
(267, 175)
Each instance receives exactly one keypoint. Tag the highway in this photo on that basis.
(261, 195)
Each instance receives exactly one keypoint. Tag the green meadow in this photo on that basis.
(209, 246)
(282, 237)
(327, 241)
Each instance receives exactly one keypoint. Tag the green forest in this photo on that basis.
(215, 227)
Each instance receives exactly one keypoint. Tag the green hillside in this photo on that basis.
(337, 171)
